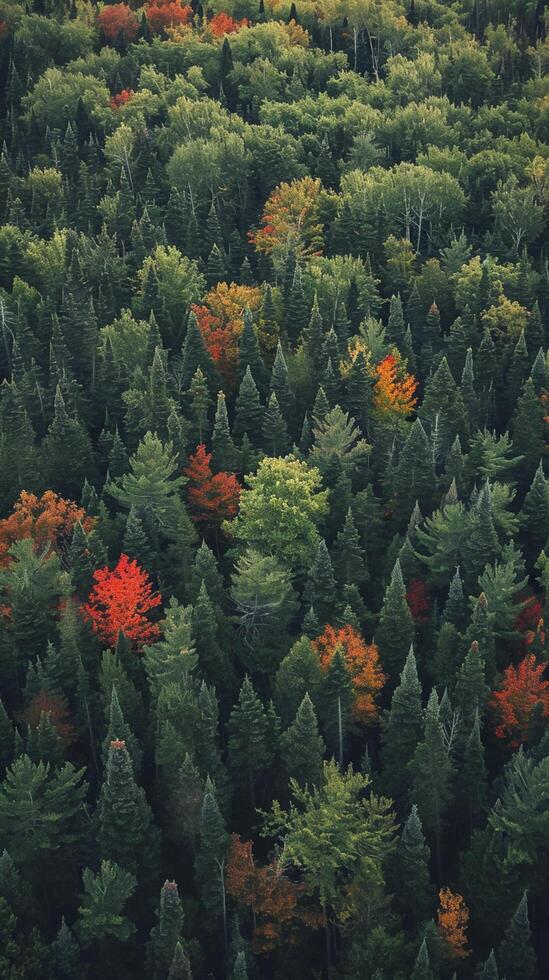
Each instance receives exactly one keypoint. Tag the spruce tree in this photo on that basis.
(515, 954)
(395, 631)
(251, 746)
(166, 934)
(119, 729)
(274, 430)
(249, 354)
(223, 448)
(66, 954)
(527, 427)
(302, 747)
(432, 775)
(248, 411)
(67, 458)
(401, 731)
(320, 589)
(280, 386)
(396, 326)
(348, 555)
(489, 969)
(211, 857)
(194, 355)
(200, 404)
(534, 514)
(126, 832)
(336, 700)
(414, 892)
(472, 778)
(240, 971)
(180, 968)
(6, 739)
(296, 311)
(213, 664)
(481, 545)
(414, 476)
(422, 968)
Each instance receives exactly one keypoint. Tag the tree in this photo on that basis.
(119, 23)
(415, 894)
(166, 934)
(251, 748)
(103, 902)
(515, 955)
(211, 858)
(362, 663)
(120, 601)
(212, 497)
(163, 15)
(432, 774)
(67, 458)
(453, 916)
(248, 412)
(274, 429)
(124, 816)
(302, 747)
(180, 968)
(279, 511)
(394, 390)
(337, 445)
(348, 559)
(48, 520)
(291, 222)
(337, 699)
(522, 691)
(395, 631)
(401, 731)
(320, 590)
(422, 969)
(224, 449)
(265, 601)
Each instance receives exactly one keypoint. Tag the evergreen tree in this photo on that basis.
(395, 631)
(67, 458)
(126, 832)
(396, 326)
(180, 968)
(432, 775)
(280, 386)
(194, 355)
(212, 661)
(422, 969)
(165, 935)
(296, 312)
(320, 590)
(211, 857)
(251, 747)
(348, 555)
(414, 476)
(274, 429)
(401, 732)
(337, 700)
(248, 412)
(200, 405)
(472, 778)
(302, 747)
(489, 969)
(527, 427)
(66, 953)
(223, 447)
(415, 894)
(240, 971)
(515, 955)
(249, 354)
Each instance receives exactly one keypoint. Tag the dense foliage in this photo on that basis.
(274, 505)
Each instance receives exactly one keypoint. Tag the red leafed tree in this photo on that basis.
(212, 497)
(278, 905)
(419, 601)
(56, 708)
(121, 98)
(118, 22)
(523, 688)
(120, 601)
(223, 23)
(161, 15)
(48, 520)
(362, 661)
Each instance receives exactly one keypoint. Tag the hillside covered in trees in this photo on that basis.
(274, 499)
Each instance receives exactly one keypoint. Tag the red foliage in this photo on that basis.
(419, 601)
(167, 14)
(362, 663)
(223, 23)
(529, 616)
(118, 22)
(120, 601)
(221, 321)
(4, 30)
(121, 98)
(48, 520)
(56, 708)
(522, 689)
(276, 902)
(213, 497)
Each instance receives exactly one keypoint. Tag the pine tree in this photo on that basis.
(534, 514)
(396, 326)
(527, 427)
(212, 661)
(66, 954)
(180, 968)
(414, 476)
(455, 610)
(515, 955)
(401, 732)
(395, 631)
(126, 831)
(166, 934)
(211, 857)
(136, 542)
(194, 355)
(248, 411)
(432, 775)
(249, 354)
(481, 545)
(519, 369)
(118, 729)
(296, 311)
(67, 458)
(302, 747)
(348, 555)
(481, 632)
(274, 429)
(471, 691)
(200, 405)
(223, 447)
(422, 969)
(489, 969)
(280, 386)
(337, 698)
(320, 589)
(472, 778)
(415, 894)
(251, 747)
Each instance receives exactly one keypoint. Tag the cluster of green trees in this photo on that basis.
(274, 504)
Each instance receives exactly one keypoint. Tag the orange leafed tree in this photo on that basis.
(362, 661)
(394, 389)
(120, 601)
(453, 916)
(277, 904)
(221, 320)
(291, 220)
(48, 520)
(162, 15)
(118, 22)
(523, 689)
(212, 497)
(122, 98)
(223, 23)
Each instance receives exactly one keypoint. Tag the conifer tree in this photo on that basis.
(414, 476)
(126, 832)
(248, 411)
(422, 969)
(280, 386)
(212, 660)
(348, 555)
(534, 514)
(200, 405)
(395, 631)
(337, 698)
(166, 934)
(320, 589)
(223, 447)
(66, 452)
(415, 893)
(211, 857)
(296, 312)
(515, 955)
(489, 969)
(432, 775)
(396, 326)
(401, 731)
(274, 429)
(194, 355)
(240, 971)
(249, 354)
(472, 777)
(66, 953)
(180, 968)
(302, 747)
(119, 729)
(251, 747)
(527, 427)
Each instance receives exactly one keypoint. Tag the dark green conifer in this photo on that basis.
(320, 589)
(274, 429)
(165, 935)
(515, 955)
(401, 732)
(248, 411)
(337, 700)
(223, 448)
(302, 747)
(126, 831)
(395, 631)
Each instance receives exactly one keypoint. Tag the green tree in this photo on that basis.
(126, 834)
(223, 447)
(251, 739)
(337, 698)
(67, 458)
(248, 411)
(401, 731)
(432, 775)
(515, 955)
(211, 858)
(101, 913)
(320, 589)
(265, 601)
(302, 747)
(422, 968)
(414, 893)
(274, 429)
(166, 934)
(395, 631)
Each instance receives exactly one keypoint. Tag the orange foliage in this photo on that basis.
(394, 390)
(276, 902)
(522, 689)
(161, 15)
(453, 916)
(291, 220)
(48, 520)
(225, 24)
(362, 661)
(221, 321)
(118, 22)
(120, 601)
(213, 497)
(56, 708)
(121, 98)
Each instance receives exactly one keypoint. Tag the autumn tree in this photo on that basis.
(120, 601)
(169, 13)
(363, 664)
(394, 395)
(292, 221)
(522, 691)
(212, 497)
(49, 520)
(118, 23)
(453, 917)
(220, 321)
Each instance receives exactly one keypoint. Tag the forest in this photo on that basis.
(274, 490)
